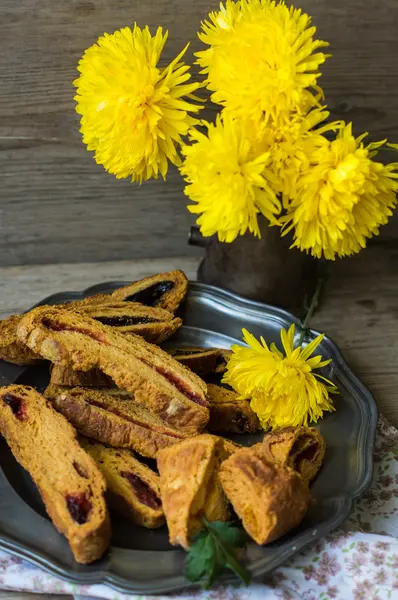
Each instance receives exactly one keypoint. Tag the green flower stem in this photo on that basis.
(323, 276)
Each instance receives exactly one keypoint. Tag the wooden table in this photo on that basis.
(59, 205)
(359, 312)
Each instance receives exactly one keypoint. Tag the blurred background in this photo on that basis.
(57, 205)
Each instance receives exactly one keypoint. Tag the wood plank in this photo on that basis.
(360, 313)
(57, 205)
(25, 286)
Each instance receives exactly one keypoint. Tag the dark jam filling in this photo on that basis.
(79, 507)
(121, 414)
(221, 361)
(151, 295)
(144, 493)
(181, 352)
(181, 386)
(242, 423)
(125, 321)
(17, 406)
(53, 326)
(308, 453)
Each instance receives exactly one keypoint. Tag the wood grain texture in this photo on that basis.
(360, 313)
(57, 205)
(22, 287)
(359, 310)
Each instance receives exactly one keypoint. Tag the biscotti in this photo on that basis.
(164, 290)
(61, 374)
(202, 361)
(12, 349)
(157, 381)
(112, 417)
(229, 413)
(301, 448)
(132, 488)
(269, 497)
(153, 324)
(190, 487)
(231, 446)
(68, 480)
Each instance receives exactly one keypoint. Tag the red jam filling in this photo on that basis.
(181, 386)
(79, 507)
(53, 326)
(17, 406)
(143, 491)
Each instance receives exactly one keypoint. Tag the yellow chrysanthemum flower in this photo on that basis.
(283, 389)
(342, 198)
(227, 177)
(134, 112)
(289, 140)
(263, 58)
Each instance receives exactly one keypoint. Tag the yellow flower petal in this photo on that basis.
(311, 347)
(342, 196)
(261, 57)
(134, 113)
(225, 176)
(283, 388)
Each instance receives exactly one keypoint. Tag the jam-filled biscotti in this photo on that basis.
(301, 448)
(190, 487)
(229, 413)
(68, 480)
(157, 381)
(269, 497)
(203, 361)
(132, 488)
(61, 374)
(153, 324)
(112, 417)
(164, 290)
(12, 349)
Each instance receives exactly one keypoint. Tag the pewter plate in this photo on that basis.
(142, 561)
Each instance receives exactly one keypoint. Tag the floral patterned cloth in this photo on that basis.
(357, 562)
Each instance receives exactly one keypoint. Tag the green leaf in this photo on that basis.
(351, 546)
(199, 557)
(213, 550)
(215, 567)
(232, 563)
(315, 559)
(228, 534)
